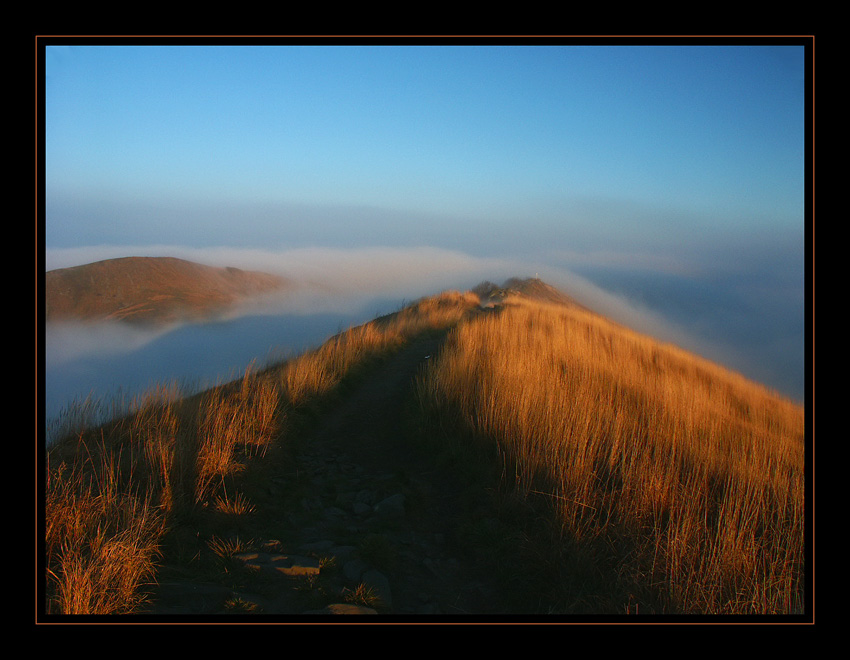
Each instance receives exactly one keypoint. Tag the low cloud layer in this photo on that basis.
(67, 342)
(651, 295)
(345, 280)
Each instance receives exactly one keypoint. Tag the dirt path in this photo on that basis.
(359, 518)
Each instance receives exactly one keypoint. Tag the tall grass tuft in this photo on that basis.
(101, 542)
(112, 491)
(687, 476)
(163, 446)
(242, 418)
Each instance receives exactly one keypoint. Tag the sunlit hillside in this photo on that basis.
(669, 485)
(683, 479)
(149, 290)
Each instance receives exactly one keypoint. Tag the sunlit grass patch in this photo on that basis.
(364, 595)
(695, 473)
(227, 548)
(101, 543)
(237, 505)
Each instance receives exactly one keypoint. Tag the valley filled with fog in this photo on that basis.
(110, 364)
(751, 323)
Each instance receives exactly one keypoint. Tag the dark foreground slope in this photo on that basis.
(356, 518)
(149, 290)
(300, 490)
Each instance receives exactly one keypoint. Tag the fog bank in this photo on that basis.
(355, 281)
(334, 288)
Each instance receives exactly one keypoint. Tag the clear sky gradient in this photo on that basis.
(662, 161)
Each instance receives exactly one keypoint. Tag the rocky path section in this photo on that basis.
(356, 519)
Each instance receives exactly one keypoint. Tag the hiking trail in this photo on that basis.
(357, 518)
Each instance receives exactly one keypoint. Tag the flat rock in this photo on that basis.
(343, 608)
(378, 581)
(354, 569)
(284, 564)
(391, 507)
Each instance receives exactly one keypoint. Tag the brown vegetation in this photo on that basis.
(682, 479)
(149, 290)
(680, 482)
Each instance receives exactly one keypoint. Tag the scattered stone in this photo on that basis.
(354, 569)
(284, 564)
(361, 508)
(294, 565)
(379, 582)
(272, 545)
(391, 507)
(251, 557)
(343, 608)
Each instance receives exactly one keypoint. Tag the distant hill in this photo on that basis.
(149, 290)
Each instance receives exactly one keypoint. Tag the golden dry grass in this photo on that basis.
(113, 488)
(112, 491)
(101, 541)
(236, 419)
(688, 474)
(692, 474)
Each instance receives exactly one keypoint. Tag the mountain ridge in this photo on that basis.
(533, 288)
(150, 290)
(452, 458)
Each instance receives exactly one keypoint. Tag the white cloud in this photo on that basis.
(66, 342)
(346, 280)
(333, 273)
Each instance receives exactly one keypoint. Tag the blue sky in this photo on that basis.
(680, 164)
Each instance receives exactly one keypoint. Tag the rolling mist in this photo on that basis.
(335, 288)
(332, 290)
(193, 356)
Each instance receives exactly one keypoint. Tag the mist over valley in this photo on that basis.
(328, 290)
(111, 364)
